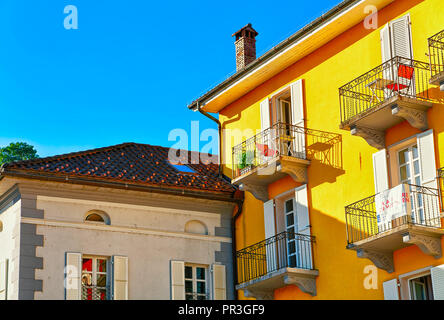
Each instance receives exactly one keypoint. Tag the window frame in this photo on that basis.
(94, 273)
(194, 280)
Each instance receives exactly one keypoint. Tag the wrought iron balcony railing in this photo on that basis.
(95, 293)
(362, 217)
(441, 185)
(284, 250)
(396, 77)
(436, 54)
(283, 139)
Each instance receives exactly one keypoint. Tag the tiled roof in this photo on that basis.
(130, 163)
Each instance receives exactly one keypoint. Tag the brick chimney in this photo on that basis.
(245, 46)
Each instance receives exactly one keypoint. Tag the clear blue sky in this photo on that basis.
(129, 70)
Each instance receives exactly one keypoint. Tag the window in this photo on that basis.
(291, 225)
(182, 168)
(97, 216)
(95, 285)
(421, 288)
(195, 282)
(409, 168)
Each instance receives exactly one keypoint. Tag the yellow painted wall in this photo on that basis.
(341, 273)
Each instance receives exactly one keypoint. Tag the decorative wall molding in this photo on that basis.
(416, 118)
(382, 260)
(373, 137)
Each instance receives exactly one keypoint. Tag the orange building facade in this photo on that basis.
(336, 135)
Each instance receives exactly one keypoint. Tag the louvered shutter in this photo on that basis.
(297, 118)
(73, 272)
(386, 50)
(391, 290)
(304, 249)
(437, 274)
(297, 103)
(265, 114)
(270, 231)
(426, 149)
(120, 278)
(219, 282)
(4, 280)
(400, 38)
(177, 280)
(380, 171)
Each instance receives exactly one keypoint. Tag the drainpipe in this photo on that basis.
(219, 127)
(239, 202)
(233, 232)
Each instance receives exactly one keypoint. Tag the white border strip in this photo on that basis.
(144, 231)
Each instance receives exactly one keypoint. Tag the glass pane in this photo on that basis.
(101, 280)
(289, 206)
(189, 297)
(102, 294)
(87, 279)
(290, 219)
(291, 247)
(405, 173)
(415, 152)
(188, 272)
(189, 286)
(101, 265)
(87, 265)
(419, 291)
(416, 167)
(404, 156)
(200, 273)
(290, 233)
(292, 261)
(418, 180)
(200, 287)
(201, 298)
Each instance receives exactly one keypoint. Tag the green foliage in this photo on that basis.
(16, 152)
(246, 159)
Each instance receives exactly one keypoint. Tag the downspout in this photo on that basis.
(233, 244)
(239, 202)
(219, 127)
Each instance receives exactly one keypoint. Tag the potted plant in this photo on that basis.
(246, 162)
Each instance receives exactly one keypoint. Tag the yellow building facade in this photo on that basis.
(336, 136)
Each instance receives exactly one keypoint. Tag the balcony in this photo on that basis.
(394, 219)
(276, 262)
(95, 293)
(281, 150)
(395, 91)
(436, 55)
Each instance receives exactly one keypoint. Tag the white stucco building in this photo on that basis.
(115, 223)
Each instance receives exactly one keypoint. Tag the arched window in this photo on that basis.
(197, 227)
(97, 216)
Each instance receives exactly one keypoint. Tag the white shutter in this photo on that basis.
(400, 37)
(265, 114)
(301, 200)
(73, 272)
(270, 229)
(437, 274)
(303, 227)
(4, 280)
(120, 278)
(391, 290)
(177, 280)
(380, 171)
(426, 149)
(386, 50)
(219, 282)
(297, 103)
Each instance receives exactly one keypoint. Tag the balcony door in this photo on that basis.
(291, 224)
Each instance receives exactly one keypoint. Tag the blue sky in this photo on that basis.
(129, 70)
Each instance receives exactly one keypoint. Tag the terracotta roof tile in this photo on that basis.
(130, 163)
